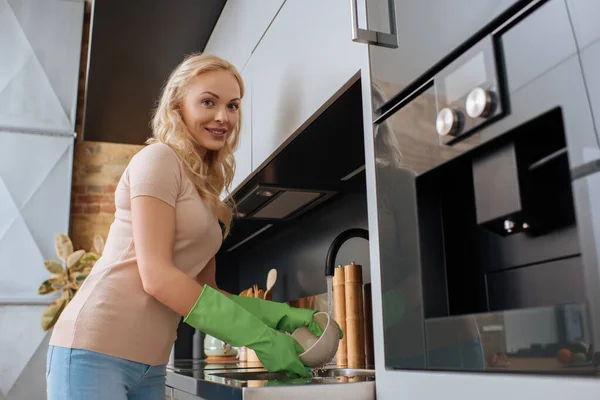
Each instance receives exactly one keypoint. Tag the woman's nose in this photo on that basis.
(221, 115)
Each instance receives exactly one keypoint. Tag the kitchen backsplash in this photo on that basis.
(298, 252)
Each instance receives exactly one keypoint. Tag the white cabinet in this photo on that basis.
(240, 26)
(243, 155)
(304, 58)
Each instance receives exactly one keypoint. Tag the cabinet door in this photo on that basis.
(590, 61)
(168, 393)
(427, 30)
(584, 17)
(243, 155)
(240, 27)
(305, 57)
(181, 395)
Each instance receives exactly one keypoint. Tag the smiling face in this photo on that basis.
(210, 108)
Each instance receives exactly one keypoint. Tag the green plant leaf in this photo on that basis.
(89, 258)
(78, 278)
(53, 311)
(63, 246)
(57, 282)
(46, 287)
(98, 244)
(74, 258)
(85, 263)
(54, 267)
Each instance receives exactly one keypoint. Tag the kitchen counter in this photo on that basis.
(193, 379)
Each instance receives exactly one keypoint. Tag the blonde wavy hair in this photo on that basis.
(214, 172)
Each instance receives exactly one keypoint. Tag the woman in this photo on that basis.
(113, 339)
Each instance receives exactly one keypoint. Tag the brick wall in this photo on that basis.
(96, 171)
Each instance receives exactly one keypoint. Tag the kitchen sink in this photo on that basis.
(252, 376)
(274, 376)
(348, 372)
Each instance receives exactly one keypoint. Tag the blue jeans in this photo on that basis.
(73, 374)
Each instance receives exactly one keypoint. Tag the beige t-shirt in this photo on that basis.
(111, 313)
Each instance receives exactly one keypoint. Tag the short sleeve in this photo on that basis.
(155, 171)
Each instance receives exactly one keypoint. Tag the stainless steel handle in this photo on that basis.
(376, 38)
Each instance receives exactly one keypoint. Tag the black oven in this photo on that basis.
(488, 205)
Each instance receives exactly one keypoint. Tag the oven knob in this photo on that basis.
(480, 103)
(448, 121)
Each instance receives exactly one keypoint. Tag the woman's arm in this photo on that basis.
(207, 277)
(154, 235)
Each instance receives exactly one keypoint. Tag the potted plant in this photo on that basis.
(67, 275)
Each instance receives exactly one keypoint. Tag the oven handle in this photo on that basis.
(376, 38)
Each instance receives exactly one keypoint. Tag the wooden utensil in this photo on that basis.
(271, 278)
(355, 334)
(339, 310)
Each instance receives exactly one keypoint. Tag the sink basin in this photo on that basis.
(330, 383)
(252, 376)
(335, 372)
(274, 376)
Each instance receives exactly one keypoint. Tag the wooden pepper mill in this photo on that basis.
(339, 310)
(355, 333)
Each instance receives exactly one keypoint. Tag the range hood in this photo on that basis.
(323, 159)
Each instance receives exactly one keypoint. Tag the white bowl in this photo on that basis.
(318, 351)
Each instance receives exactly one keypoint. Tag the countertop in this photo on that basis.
(222, 381)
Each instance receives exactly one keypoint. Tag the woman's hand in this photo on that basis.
(281, 316)
(219, 317)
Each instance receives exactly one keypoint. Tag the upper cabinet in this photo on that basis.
(304, 58)
(240, 26)
(40, 44)
(584, 16)
(243, 155)
(427, 30)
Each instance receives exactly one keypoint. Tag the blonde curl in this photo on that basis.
(213, 173)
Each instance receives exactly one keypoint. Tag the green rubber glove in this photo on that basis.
(218, 316)
(280, 316)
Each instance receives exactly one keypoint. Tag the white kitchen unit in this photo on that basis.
(584, 14)
(294, 56)
(239, 29)
(302, 61)
(243, 155)
(240, 26)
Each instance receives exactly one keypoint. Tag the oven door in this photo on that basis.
(489, 231)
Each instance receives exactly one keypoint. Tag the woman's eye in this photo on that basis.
(234, 106)
(208, 103)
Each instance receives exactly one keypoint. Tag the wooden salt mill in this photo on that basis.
(339, 311)
(355, 329)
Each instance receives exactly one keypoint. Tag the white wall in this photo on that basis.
(40, 43)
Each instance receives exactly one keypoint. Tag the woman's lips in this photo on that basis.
(217, 133)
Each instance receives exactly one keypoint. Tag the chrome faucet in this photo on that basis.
(340, 239)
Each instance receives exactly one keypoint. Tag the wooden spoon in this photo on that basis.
(271, 278)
